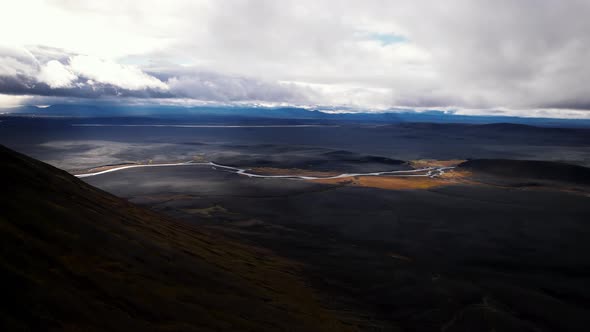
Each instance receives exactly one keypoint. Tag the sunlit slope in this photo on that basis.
(76, 258)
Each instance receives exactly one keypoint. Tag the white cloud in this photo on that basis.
(16, 61)
(11, 67)
(223, 88)
(515, 55)
(528, 113)
(108, 72)
(56, 75)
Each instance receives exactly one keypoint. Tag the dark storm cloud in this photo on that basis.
(21, 85)
(63, 79)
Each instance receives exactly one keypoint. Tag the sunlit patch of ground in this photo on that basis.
(423, 163)
(455, 174)
(385, 181)
(401, 183)
(289, 171)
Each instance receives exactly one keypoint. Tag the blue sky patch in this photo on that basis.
(388, 39)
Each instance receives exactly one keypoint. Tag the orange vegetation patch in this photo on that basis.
(401, 183)
(422, 163)
(289, 171)
(386, 182)
(456, 174)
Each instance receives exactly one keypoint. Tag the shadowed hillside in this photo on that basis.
(78, 259)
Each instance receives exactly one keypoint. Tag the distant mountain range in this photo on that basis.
(222, 113)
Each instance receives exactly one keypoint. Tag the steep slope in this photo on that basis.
(75, 258)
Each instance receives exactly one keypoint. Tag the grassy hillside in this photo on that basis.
(75, 258)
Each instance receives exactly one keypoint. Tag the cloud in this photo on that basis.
(365, 54)
(108, 72)
(16, 61)
(212, 86)
(56, 75)
(85, 76)
(53, 72)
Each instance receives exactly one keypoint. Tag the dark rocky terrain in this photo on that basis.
(476, 256)
(75, 258)
(504, 248)
(530, 169)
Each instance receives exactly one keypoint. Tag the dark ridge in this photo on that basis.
(518, 128)
(530, 169)
(342, 155)
(433, 125)
(509, 126)
(75, 258)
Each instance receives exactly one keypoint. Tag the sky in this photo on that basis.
(504, 57)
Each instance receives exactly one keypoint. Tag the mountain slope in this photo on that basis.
(75, 258)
